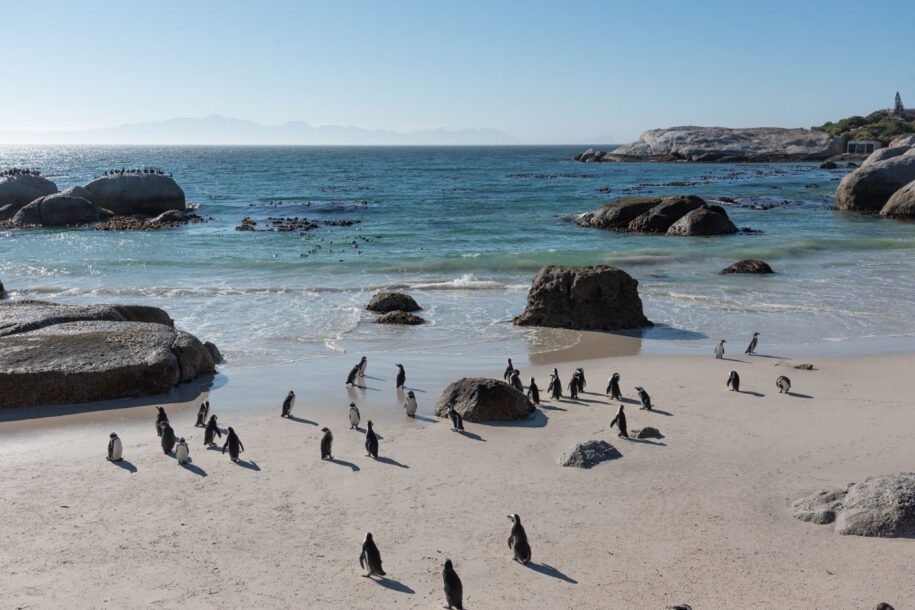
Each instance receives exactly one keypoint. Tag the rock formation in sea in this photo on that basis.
(748, 266)
(59, 210)
(400, 317)
(598, 297)
(681, 215)
(870, 187)
(137, 193)
(479, 399)
(902, 203)
(383, 302)
(56, 354)
(19, 190)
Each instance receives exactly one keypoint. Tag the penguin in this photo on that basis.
(234, 445)
(573, 386)
(644, 397)
(168, 438)
(201, 416)
(734, 381)
(555, 387)
(115, 451)
(409, 406)
(533, 392)
(686, 607)
(751, 349)
(401, 376)
(160, 417)
(351, 378)
(508, 371)
(326, 442)
(288, 404)
(371, 441)
(457, 422)
(517, 541)
(581, 380)
(353, 416)
(454, 590)
(362, 364)
(613, 386)
(620, 421)
(211, 432)
(783, 384)
(880, 606)
(719, 350)
(182, 451)
(370, 558)
(516, 380)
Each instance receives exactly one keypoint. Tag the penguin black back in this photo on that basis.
(370, 558)
(211, 432)
(454, 590)
(533, 392)
(371, 441)
(351, 378)
(508, 371)
(401, 376)
(168, 437)
(734, 381)
(613, 387)
(233, 443)
(517, 541)
(326, 442)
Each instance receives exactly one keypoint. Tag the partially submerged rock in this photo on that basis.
(137, 193)
(748, 266)
(682, 215)
(400, 317)
(598, 297)
(617, 214)
(478, 399)
(901, 205)
(383, 302)
(869, 188)
(659, 218)
(59, 210)
(588, 454)
(704, 221)
(19, 190)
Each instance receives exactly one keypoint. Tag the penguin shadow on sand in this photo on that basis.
(343, 463)
(659, 411)
(126, 465)
(537, 419)
(301, 420)
(189, 466)
(390, 461)
(428, 420)
(750, 393)
(250, 465)
(548, 570)
(393, 585)
(549, 407)
(797, 395)
(471, 435)
(647, 441)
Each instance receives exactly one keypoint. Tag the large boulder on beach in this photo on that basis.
(19, 190)
(59, 210)
(137, 193)
(588, 454)
(55, 354)
(478, 399)
(598, 297)
(870, 187)
(617, 214)
(748, 266)
(383, 302)
(901, 204)
(660, 218)
(704, 221)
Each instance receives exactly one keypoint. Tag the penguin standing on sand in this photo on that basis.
(734, 381)
(370, 558)
(234, 445)
(751, 349)
(168, 437)
(613, 386)
(573, 386)
(160, 417)
(326, 442)
(288, 404)
(211, 432)
(371, 441)
(454, 590)
(555, 387)
(115, 451)
(409, 406)
(353, 416)
(182, 451)
(620, 421)
(457, 422)
(362, 364)
(351, 378)
(644, 397)
(508, 371)
(517, 541)
(533, 392)
(581, 380)
(719, 350)
(783, 384)
(202, 415)
(516, 381)
(401, 376)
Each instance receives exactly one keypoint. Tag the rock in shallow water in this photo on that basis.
(703, 222)
(869, 188)
(400, 317)
(19, 190)
(747, 266)
(478, 399)
(383, 302)
(588, 454)
(147, 194)
(60, 210)
(902, 204)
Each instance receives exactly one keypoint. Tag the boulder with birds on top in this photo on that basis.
(136, 193)
(19, 190)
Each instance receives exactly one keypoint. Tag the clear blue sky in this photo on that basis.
(543, 72)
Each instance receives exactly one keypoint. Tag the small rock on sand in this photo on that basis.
(588, 454)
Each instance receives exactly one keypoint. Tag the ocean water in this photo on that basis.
(463, 230)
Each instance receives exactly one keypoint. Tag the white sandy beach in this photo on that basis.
(700, 517)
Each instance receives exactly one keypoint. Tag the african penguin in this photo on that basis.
(581, 379)
(508, 371)
(353, 416)
(517, 541)
(201, 416)
(115, 451)
(457, 422)
(613, 386)
(533, 392)
(160, 417)
(234, 445)
(573, 386)
(644, 397)
(401, 376)
(351, 378)
(409, 406)
(288, 404)
(680, 607)
(751, 349)
(370, 558)
(783, 384)
(555, 387)
(182, 451)
(719, 350)
(454, 590)
(326, 442)
(211, 432)
(168, 437)
(362, 364)
(734, 381)
(516, 380)
(620, 421)
(371, 441)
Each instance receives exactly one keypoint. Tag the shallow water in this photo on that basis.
(463, 230)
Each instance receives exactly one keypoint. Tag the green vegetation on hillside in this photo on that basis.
(875, 126)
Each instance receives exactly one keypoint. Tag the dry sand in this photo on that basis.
(701, 516)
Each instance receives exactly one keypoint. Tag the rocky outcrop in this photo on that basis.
(588, 454)
(721, 144)
(882, 506)
(704, 221)
(19, 190)
(400, 317)
(902, 203)
(617, 214)
(647, 432)
(383, 302)
(59, 210)
(903, 141)
(479, 400)
(54, 354)
(598, 297)
(682, 215)
(747, 266)
(215, 354)
(659, 218)
(869, 188)
(136, 193)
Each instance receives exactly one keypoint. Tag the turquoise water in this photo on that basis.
(464, 230)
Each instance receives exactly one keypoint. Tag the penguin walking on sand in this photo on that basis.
(371, 441)
(288, 404)
(533, 392)
(326, 442)
(783, 384)
(573, 386)
(613, 387)
(351, 378)
(517, 541)
(457, 422)
(234, 445)
(751, 349)
(353, 416)
(686, 607)
(401, 376)
(370, 558)
(620, 421)
(211, 432)
(362, 364)
(454, 590)
(719, 350)
(555, 387)
(202, 414)
(115, 450)
(508, 371)
(644, 397)
(168, 437)
(581, 380)
(734, 381)
(409, 406)
(160, 417)
(182, 451)
(516, 381)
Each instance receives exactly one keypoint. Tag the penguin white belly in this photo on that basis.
(181, 453)
(116, 450)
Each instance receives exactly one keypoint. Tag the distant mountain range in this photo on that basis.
(220, 130)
